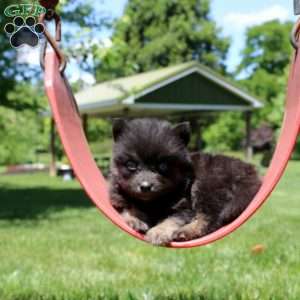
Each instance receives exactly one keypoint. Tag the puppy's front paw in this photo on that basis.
(183, 235)
(193, 230)
(137, 224)
(159, 236)
(187, 233)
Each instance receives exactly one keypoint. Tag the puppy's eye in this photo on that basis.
(163, 167)
(131, 166)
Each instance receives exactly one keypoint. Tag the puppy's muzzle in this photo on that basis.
(146, 187)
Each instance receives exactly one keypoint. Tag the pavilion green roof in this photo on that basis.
(188, 87)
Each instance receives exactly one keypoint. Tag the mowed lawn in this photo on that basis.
(54, 245)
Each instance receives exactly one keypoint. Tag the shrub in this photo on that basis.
(226, 133)
(19, 132)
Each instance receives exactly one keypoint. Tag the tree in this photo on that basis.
(154, 34)
(22, 129)
(267, 48)
(8, 67)
(265, 61)
(226, 133)
(266, 57)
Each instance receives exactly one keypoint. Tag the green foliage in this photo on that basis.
(18, 130)
(273, 112)
(160, 33)
(26, 96)
(7, 57)
(22, 130)
(226, 133)
(84, 21)
(273, 87)
(98, 129)
(265, 59)
(261, 84)
(21, 125)
(19, 136)
(103, 162)
(267, 48)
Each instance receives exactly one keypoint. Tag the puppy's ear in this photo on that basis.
(118, 127)
(183, 131)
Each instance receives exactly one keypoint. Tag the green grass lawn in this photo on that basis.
(55, 246)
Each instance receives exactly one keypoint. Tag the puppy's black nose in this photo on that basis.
(146, 187)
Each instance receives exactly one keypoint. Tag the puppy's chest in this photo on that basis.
(164, 208)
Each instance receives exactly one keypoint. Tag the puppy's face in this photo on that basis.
(150, 158)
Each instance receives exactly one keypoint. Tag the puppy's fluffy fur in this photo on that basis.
(169, 194)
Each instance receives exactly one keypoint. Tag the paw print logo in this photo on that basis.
(24, 32)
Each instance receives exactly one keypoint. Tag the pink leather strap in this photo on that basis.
(76, 147)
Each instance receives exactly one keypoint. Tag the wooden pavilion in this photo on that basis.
(184, 91)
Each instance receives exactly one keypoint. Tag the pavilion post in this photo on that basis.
(52, 167)
(85, 124)
(248, 146)
(198, 129)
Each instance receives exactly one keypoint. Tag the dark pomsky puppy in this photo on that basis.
(163, 191)
(151, 170)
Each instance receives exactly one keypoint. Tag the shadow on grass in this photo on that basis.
(36, 203)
